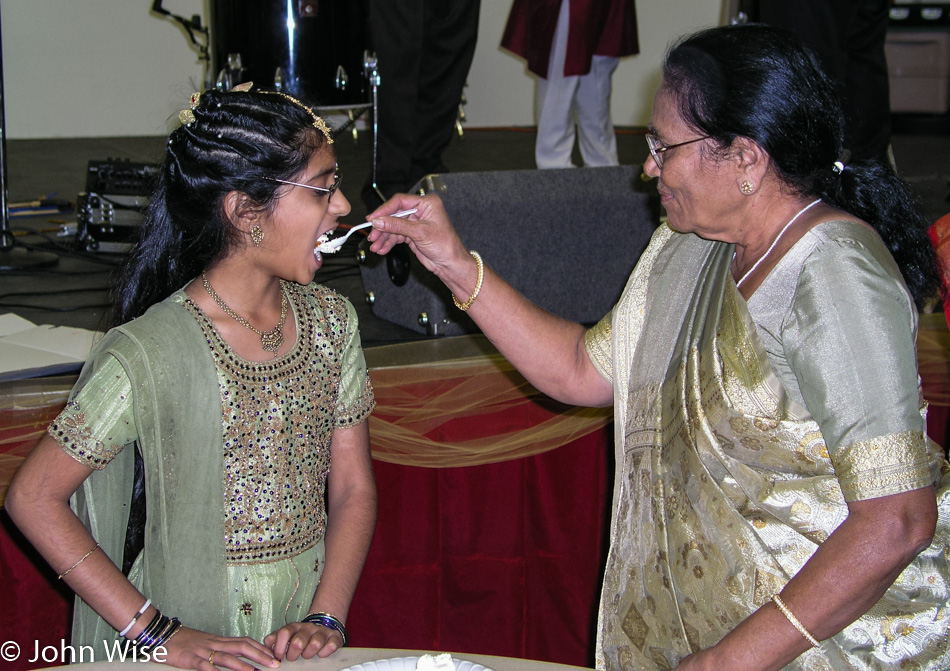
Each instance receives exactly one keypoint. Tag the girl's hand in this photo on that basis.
(303, 639)
(193, 649)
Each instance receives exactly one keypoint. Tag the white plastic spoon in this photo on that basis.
(333, 246)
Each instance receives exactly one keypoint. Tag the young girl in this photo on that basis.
(232, 396)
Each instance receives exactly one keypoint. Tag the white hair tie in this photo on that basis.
(839, 165)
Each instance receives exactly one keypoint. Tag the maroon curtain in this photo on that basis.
(500, 559)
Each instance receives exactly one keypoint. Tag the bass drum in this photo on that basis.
(312, 49)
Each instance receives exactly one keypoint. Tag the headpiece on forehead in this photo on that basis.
(187, 116)
(318, 121)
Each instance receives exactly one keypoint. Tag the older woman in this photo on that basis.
(777, 501)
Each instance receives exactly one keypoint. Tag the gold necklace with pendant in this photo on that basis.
(270, 340)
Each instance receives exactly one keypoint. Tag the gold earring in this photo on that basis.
(747, 187)
(257, 235)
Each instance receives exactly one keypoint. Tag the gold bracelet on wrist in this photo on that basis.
(478, 283)
(82, 559)
(794, 620)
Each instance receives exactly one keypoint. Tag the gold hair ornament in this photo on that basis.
(187, 116)
(318, 121)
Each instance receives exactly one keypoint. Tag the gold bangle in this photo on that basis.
(84, 557)
(794, 620)
(478, 284)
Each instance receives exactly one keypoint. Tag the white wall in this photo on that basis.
(94, 68)
(102, 68)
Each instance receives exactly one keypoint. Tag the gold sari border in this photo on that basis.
(882, 466)
(597, 342)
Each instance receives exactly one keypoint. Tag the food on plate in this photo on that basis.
(442, 662)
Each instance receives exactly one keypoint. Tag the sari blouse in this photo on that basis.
(743, 430)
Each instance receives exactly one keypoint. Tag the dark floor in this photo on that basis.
(73, 292)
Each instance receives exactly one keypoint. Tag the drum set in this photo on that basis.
(319, 51)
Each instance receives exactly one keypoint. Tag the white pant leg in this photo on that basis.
(555, 104)
(598, 142)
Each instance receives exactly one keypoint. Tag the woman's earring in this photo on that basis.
(747, 187)
(257, 235)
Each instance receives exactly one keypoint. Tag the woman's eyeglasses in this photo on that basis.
(330, 190)
(657, 148)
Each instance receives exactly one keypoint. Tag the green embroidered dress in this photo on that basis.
(236, 457)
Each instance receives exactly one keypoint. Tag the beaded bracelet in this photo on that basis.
(478, 283)
(795, 621)
(330, 622)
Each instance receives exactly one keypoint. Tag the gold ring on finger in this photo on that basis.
(211, 657)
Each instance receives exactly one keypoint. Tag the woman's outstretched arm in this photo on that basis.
(548, 350)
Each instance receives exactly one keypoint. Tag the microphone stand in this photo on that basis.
(13, 257)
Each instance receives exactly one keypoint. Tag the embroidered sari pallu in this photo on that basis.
(725, 487)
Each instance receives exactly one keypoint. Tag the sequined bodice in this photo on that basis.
(278, 421)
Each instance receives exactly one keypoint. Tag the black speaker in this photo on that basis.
(567, 239)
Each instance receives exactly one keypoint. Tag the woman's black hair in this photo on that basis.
(236, 140)
(762, 83)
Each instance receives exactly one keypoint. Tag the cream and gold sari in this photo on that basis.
(725, 482)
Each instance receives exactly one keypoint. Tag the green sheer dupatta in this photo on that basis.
(177, 406)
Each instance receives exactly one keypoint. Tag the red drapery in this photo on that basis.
(502, 559)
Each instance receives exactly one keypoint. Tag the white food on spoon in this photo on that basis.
(334, 245)
(327, 246)
(441, 662)
(321, 241)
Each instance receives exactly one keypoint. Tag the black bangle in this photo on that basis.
(330, 622)
(157, 633)
(173, 626)
(150, 627)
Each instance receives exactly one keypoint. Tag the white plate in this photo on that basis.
(409, 664)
